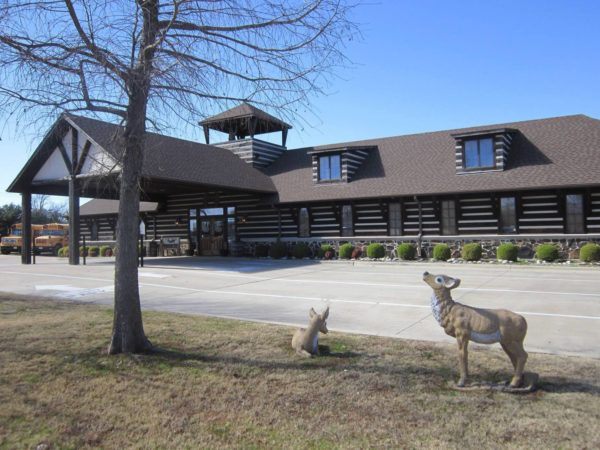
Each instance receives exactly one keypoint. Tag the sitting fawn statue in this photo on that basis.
(484, 326)
(306, 341)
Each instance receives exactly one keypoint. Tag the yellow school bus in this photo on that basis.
(12, 242)
(52, 238)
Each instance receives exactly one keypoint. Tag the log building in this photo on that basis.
(526, 182)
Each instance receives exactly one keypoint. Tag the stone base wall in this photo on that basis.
(568, 246)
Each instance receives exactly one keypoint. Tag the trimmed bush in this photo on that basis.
(63, 252)
(83, 251)
(472, 252)
(375, 250)
(589, 252)
(547, 252)
(441, 252)
(346, 250)
(406, 251)
(261, 251)
(93, 251)
(357, 253)
(301, 250)
(324, 249)
(507, 251)
(104, 249)
(278, 250)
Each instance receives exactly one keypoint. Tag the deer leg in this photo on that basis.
(304, 353)
(510, 354)
(463, 356)
(521, 356)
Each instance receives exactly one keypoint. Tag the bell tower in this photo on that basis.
(242, 124)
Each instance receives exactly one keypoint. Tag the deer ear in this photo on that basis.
(325, 313)
(452, 283)
(312, 313)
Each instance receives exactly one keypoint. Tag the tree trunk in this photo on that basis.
(128, 330)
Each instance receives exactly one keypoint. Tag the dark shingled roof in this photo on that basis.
(547, 153)
(244, 111)
(170, 159)
(97, 207)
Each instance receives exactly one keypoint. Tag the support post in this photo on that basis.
(26, 228)
(73, 221)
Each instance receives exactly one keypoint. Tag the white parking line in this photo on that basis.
(313, 299)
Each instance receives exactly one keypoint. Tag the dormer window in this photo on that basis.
(482, 150)
(479, 153)
(330, 168)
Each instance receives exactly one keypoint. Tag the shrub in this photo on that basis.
(93, 251)
(104, 249)
(261, 251)
(472, 252)
(589, 252)
(507, 251)
(324, 249)
(346, 250)
(441, 252)
(301, 250)
(278, 250)
(546, 252)
(375, 250)
(406, 251)
(63, 252)
(83, 250)
(357, 253)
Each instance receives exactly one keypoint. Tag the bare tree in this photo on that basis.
(150, 61)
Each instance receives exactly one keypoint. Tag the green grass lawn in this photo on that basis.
(230, 384)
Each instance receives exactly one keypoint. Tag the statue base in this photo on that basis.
(529, 385)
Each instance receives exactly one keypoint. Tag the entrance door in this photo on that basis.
(211, 235)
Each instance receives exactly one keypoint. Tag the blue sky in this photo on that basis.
(434, 65)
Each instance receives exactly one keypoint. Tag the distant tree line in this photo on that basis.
(42, 211)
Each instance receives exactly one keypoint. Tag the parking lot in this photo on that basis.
(561, 303)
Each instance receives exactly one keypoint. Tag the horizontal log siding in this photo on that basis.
(254, 151)
(263, 221)
(429, 215)
(370, 219)
(541, 212)
(324, 221)
(593, 216)
(178, 206)
(105, 229)
(477, 215)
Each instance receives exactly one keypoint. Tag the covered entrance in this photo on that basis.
(211, 230)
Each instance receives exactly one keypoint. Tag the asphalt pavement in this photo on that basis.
(561, 303)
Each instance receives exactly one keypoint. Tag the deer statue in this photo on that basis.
(484, 326)
(306, 341)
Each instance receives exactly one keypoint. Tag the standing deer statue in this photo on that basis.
(484, 326)
(306, 341)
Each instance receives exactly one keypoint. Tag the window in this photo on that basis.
(330, 168)
(231, 228)
(94, 231)
(574, 214)
(395, 219)
(211, 212)
(347, 221)
(508, 215)
(303, 223)
(448, 217)
(479, 153)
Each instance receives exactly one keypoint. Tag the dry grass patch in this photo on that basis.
(224, 383)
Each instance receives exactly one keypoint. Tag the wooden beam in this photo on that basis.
(83, 157)
(26, 228)
(73, 221)
(74, 149)
(65, 156)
